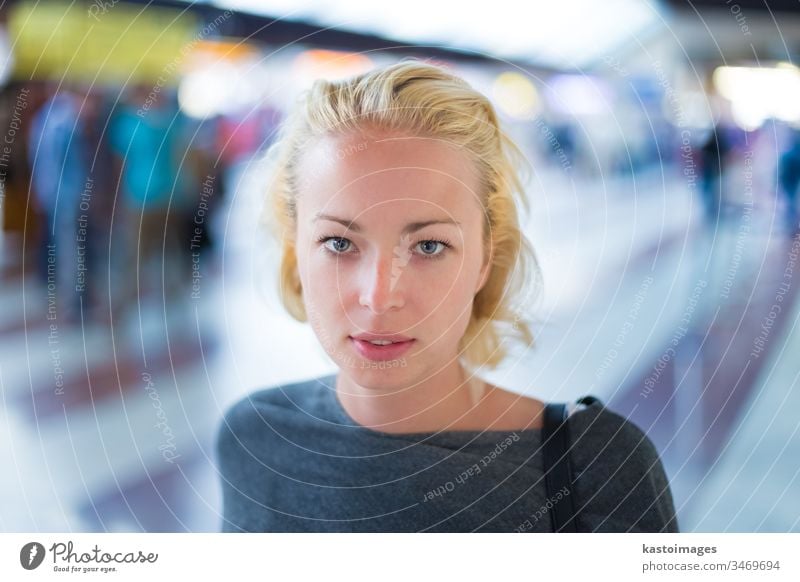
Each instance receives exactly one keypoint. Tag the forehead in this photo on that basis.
(384, 173)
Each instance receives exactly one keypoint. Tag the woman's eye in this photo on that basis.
(429, 246)
(338, 246)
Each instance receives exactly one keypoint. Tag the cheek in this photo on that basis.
(323, 285)
(448, 300)
(329, 283)
(314, 269)
(451, 281)
(461, 284)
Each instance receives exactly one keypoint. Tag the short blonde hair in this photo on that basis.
(419, 98)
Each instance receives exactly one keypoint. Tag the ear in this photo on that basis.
(486, 269)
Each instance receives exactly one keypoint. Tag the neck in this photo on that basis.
(444, 400)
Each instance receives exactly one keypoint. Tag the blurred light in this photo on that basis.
(758, 93)
(689, 109)
(205, 51)
(515, 95)
(202, 94)
(330, 65)
(579, 95)
(57, 40)
(220, 77)
(220, 88)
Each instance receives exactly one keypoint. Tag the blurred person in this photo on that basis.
(394, 199)
(713, 162)
(144, 135)
(97, 201)
(789, 180)
(18, 102)
(57, 154)
(202, 184)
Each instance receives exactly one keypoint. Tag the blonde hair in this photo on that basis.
(423, 99)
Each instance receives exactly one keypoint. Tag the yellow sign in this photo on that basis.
(106, 41)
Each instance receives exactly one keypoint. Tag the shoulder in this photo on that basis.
(597, 420)
(618, 473)
(598, 433)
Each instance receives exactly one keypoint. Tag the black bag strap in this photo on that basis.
(558, 471)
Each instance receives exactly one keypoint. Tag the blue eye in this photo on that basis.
(338, 244)
(341, 245)
(434, 243)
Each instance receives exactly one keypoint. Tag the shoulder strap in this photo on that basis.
(589, 400)
(558, 473)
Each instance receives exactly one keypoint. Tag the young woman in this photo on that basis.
(394, 199)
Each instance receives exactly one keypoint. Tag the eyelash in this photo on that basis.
(446, 243)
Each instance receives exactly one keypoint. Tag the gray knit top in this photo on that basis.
(292, 460)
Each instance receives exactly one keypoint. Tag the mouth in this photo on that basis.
(382, 337)
(379, 349)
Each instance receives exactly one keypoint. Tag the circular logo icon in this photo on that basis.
(31, 555)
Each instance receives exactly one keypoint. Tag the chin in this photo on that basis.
(393, 367)
(378, 375)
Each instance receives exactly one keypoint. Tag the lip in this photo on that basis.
(381, 353)
(379, 335)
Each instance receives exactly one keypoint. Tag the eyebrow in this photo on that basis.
(409, 228)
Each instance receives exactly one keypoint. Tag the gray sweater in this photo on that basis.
(292, 460)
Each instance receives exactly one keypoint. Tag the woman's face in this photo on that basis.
(389, 241)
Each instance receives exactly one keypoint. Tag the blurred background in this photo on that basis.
(137, 288)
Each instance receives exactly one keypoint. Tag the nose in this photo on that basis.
(380, 289)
